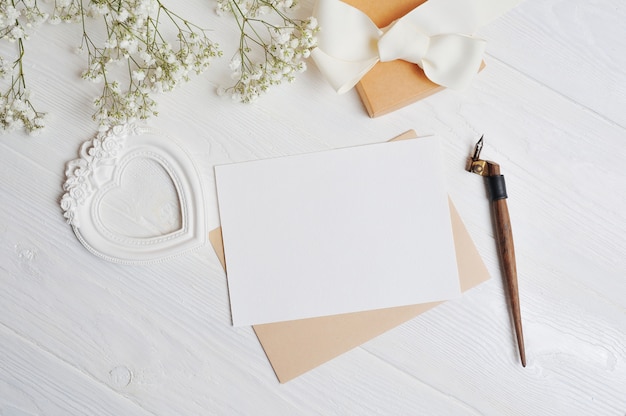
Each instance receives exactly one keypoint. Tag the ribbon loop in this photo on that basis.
(438, 36)
(453, 60)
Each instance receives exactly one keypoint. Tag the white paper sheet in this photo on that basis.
(339, 231)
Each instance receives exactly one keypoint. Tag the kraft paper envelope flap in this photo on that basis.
(295, 347)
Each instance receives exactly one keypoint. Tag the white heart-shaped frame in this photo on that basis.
(102, 172)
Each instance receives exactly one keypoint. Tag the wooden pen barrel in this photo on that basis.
(504, 238)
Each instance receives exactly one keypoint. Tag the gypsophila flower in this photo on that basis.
(135, 41)
(5, 69)
(281, 42)
(17, 19)
(148, 49)
(17, 112)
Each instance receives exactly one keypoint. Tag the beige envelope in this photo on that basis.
(295, 347)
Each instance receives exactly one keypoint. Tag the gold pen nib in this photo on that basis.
(478, 148)
(476, 165)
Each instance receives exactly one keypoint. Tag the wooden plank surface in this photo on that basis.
(79, 335)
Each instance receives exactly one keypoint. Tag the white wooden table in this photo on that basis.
(82, 336)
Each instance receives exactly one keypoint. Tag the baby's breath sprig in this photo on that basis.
(139, 58)
(281, 43)
(135, 41)
(16, 109)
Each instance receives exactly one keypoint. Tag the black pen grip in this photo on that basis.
(497, 187)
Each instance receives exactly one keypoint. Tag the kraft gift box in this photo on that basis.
(389, 86)
(295, 347)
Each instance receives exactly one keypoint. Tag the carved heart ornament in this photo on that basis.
(134, 196)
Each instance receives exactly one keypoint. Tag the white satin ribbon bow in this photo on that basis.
(438, 36)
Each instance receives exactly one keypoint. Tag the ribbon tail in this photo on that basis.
(346, 43)
(342, 75)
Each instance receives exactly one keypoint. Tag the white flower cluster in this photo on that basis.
(5, 69)
(286, 44)
(17, 18)
(67, 11)
(135, 40)
(254, 8)
(17, 112)
(140, 58)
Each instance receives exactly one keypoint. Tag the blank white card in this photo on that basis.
(338, 231)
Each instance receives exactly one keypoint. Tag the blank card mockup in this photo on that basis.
(336, 232)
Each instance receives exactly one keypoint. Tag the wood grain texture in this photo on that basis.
(506, 249)
(82, 336)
